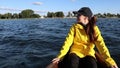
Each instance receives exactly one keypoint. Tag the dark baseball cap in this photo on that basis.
(86, 11)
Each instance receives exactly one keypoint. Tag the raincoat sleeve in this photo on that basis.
(68, 42)
(103, 50)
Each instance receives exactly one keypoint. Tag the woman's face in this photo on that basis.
(83, 19)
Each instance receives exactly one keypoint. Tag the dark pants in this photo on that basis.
(87, 62)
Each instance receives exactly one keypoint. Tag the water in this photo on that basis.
(33, 43)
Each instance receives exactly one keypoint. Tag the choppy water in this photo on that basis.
(33, 43)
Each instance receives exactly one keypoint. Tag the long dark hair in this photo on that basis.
(90, 28)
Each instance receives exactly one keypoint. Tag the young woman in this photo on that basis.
(81, 40)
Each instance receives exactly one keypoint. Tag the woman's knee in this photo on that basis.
(73, 60)
(90, 62)
(90, 58)
(73, 56)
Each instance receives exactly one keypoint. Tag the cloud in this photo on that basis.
(15, 9)
(10, 9)
(37, 3)
(39, 11)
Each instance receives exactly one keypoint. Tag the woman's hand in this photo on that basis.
(54, 63)
(55, 60)
(115, 66)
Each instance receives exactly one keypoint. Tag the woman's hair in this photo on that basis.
(90, 28)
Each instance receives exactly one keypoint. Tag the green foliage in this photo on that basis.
(0, 15)
(15, 15)
(56, 14)
(118, 15)
(59, 14)
(8, 15)
(27, 13)
(35, 16)
(107, 15)
(51, 14)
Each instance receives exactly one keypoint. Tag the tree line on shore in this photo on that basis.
(28, 13)
(107, 15)
(99, 15)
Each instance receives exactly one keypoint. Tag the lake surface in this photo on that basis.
(33, 43)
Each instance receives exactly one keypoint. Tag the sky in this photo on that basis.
(43, 6)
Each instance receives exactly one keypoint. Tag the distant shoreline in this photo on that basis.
(28, 13)
(52, 18)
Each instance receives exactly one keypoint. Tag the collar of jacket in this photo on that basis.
(79, 26)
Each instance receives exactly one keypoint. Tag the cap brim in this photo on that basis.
(75, 12)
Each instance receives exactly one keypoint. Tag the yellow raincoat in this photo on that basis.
(78, 42)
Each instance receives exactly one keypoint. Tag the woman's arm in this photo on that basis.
(68, 42)
(103, 50)
(66, 46)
